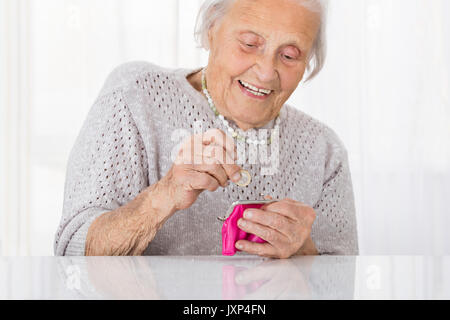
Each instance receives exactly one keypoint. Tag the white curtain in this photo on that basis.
(385, 91)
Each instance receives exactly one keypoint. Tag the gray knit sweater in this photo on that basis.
(126, 145)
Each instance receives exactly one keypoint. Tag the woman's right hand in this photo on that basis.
(205, 161)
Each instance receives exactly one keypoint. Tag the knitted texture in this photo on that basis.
(127, 143)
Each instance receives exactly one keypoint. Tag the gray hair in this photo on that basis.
(213, 10)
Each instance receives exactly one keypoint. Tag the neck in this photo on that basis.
(195, 80)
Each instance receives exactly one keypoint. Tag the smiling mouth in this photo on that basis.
(254, 91)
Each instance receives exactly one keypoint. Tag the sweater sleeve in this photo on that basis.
(107, 168)
(335, 228)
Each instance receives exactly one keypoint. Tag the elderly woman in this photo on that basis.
(129, 188)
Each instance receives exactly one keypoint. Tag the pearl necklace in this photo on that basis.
(233, 132)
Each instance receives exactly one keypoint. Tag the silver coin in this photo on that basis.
(245, 180)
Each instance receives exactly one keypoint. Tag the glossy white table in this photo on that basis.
(239, 277)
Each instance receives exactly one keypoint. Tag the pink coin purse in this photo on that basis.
(230, 230)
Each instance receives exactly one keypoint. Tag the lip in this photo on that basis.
(251, 95)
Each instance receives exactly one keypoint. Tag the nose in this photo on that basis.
(266, 69)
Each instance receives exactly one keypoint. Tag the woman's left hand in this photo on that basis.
(285, 225)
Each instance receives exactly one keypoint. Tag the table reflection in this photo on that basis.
(327, 277)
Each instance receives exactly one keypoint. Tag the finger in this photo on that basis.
(216, 154)
(292, 201)
(233, 171)
(189, 147)
(271, 219)
(220, 138)
(194, 152)
(196, 144)
(216, 171)
(213, 154)
(285, 208)
(297, 213)
(202, 181)
(272, 236)
(260, 249)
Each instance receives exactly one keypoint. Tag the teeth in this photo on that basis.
(265, 91)
(257, 93)
(254, 90)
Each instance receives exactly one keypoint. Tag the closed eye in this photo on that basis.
(248, 46)
(291, 53)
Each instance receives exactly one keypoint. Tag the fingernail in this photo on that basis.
(248, 214)
(241, 223)
(236, 177)
(239, 246)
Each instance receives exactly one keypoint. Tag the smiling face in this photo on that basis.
(263, 45)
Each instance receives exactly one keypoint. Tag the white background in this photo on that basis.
(385, 90)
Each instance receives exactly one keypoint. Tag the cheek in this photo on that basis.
(235, 62)
(291, 79)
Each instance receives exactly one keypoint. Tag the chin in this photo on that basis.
(248, 116)
(250, 111)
